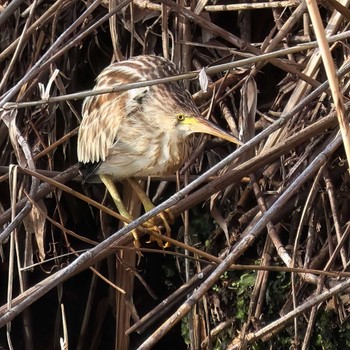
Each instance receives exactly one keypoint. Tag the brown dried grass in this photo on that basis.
(261, 237)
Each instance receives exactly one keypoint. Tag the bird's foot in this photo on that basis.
(153, 225)
(137, 245)
(136, 239)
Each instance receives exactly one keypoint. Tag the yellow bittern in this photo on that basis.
(139, 132)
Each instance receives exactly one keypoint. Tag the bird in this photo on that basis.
(140, 132)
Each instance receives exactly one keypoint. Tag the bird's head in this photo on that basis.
(189, 124)
(170, 108)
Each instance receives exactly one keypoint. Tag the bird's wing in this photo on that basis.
(103, 114)
(99, 127)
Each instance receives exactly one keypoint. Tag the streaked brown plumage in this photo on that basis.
(139, 132)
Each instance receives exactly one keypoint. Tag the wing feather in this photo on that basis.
(102, 114)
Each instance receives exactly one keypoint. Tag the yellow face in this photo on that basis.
(190, 124)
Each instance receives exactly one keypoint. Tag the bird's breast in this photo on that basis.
(167, 156)
(161, 154)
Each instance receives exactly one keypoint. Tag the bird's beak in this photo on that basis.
(199, 124)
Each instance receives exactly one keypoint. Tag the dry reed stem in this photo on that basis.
(331, 74)
(58, 45)
(189, 75)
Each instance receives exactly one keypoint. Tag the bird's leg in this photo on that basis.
(148, 205)
(112, 189)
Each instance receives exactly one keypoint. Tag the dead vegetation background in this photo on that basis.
(260, 248)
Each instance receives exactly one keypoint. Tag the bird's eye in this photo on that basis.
(180, 117)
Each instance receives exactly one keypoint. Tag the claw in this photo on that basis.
(136, 238)
(151, 226)
(159, 241)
